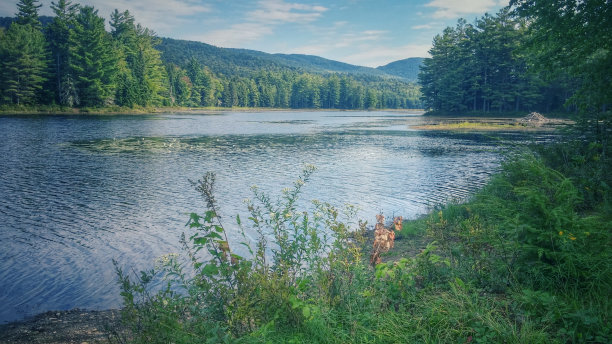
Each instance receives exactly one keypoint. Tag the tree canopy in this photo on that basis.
(551, 55)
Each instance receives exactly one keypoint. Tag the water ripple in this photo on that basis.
(77, 192)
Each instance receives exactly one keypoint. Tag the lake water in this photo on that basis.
(78, 191)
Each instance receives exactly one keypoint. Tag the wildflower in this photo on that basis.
(572, 238)
(560, 233)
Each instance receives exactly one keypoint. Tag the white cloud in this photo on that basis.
(422, 27)
(158, 15)
(352, 39)
(235, 35)
(279, 11)
(457, 8)
(261, 22)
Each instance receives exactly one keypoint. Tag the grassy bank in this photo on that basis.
(494, 114)
(527, 260)
(479, 126)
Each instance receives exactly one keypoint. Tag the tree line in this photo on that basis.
(73, 61)
(507, 62)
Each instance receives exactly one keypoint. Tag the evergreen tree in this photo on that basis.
(574, 37)
(60, 37)
(123, 31)
(28, 13)
(23, 56)
(480, 67)
(93, 59)
(142, 78)
(24, 64)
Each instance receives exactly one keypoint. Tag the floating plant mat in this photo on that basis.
(233, 143)
(134, 144)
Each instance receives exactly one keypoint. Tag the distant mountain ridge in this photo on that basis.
(230, 60)
(406, 68)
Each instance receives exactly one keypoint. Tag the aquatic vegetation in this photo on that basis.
(488, 126)
(153, 145)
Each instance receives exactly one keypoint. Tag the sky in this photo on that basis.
(361, 32)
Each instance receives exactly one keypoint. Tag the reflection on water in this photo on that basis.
(77, 191)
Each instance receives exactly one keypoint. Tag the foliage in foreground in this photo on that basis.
(527, 260)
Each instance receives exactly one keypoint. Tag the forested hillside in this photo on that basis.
(73, 61)
(230, 61)
(407, 68)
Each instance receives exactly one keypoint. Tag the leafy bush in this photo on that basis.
(524, 235)
(299, 262)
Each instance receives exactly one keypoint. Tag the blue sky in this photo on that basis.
(363, 32)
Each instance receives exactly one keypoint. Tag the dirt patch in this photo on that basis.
(74, 326)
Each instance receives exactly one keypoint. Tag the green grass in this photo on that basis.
(480, 126)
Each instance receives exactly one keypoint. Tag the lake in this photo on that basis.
(78, 191)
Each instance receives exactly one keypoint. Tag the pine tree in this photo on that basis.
(60, 37)
(572, 37)
(124, 37)
(142, 78)
(23, 56)
(24, 64)
(93, 59)
(28, 13)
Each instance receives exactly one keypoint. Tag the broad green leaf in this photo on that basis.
(209, 216)
(213, 235)
(210, 270)
(200, 241)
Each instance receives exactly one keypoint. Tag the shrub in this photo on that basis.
(300, 262)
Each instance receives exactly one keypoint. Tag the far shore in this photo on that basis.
(165, 110)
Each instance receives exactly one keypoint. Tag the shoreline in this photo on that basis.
(71, 326)
(162, 110)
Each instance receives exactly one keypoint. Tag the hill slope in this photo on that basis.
(407, 68)
(242, 61)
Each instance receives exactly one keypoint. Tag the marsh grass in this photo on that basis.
(481, 126)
